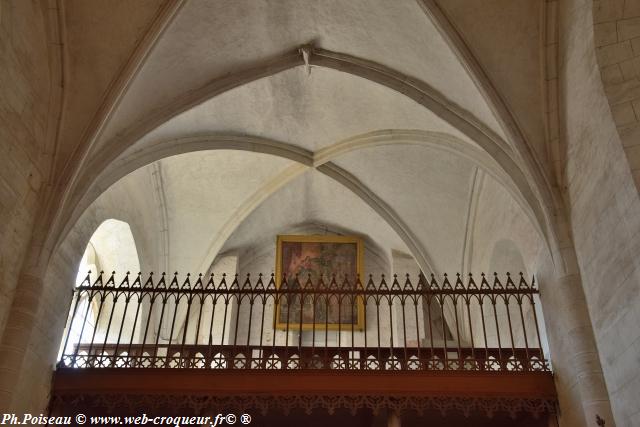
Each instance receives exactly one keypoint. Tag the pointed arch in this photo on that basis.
(536, 196)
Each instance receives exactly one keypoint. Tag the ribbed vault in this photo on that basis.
(329, 90)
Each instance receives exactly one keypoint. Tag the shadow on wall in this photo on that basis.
(506, 257)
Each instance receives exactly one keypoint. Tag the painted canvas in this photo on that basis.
(315, 257)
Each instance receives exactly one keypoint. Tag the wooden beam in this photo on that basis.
(248, 382)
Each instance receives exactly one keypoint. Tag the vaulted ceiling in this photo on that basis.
(260, 115)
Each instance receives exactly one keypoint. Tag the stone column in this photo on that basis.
(579, 379)
(28, 347)
(31, 339)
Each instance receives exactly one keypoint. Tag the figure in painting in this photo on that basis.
(318, 259)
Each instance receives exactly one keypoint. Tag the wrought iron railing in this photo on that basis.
(304, 324)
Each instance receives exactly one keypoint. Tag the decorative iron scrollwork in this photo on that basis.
(432, 325)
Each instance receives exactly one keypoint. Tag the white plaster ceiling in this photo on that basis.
(427, 188)
(214, 39)
(203, 192)
(511, 55)
(311, 111)
(225, 200)
(98, 38)
(312, 199)
(411, 198)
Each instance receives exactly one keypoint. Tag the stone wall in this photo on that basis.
(601, 195)
(30, 378)
(25, 95)
(604, 206)
(617, 38)
(30, 89)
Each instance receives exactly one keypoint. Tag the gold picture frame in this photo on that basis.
(308, 255)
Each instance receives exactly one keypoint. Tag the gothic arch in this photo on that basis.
(418, 91)
(305, 159)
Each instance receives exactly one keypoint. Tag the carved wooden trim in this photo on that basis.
(308, 403)
(183, 391)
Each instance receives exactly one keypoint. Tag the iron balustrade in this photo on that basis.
(234, 324)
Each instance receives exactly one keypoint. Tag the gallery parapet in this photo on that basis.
(235, 323)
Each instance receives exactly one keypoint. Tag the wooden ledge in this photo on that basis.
(69, 381)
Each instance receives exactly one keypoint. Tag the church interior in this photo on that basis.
(348, 212)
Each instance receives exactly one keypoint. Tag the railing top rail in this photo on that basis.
(320, 286)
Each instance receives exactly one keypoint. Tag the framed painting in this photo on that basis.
(316, 257)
